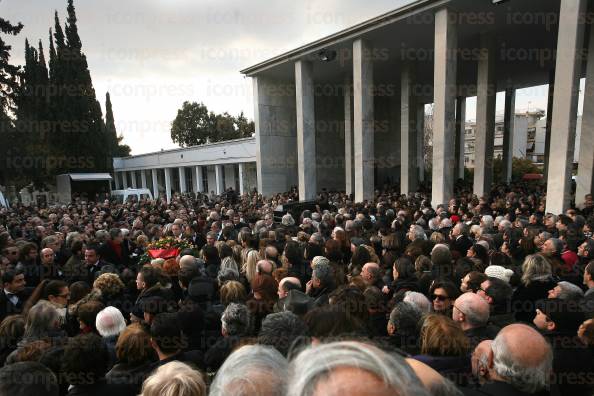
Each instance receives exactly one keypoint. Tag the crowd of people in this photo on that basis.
(482, 296)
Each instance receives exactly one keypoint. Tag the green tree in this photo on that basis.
(116, 148)
(8, 88)
(195, 125)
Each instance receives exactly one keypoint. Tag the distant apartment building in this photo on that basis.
(529, 137)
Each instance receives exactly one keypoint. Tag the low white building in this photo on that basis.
(212, 167)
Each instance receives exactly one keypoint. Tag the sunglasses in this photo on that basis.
(439, 297)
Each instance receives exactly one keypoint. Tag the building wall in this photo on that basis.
(329, 114)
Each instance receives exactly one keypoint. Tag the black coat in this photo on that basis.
(524, 299)
(100, 388)
(131, 375)
(7, 308)
(219, 352)
(499, 388)
(479, 334)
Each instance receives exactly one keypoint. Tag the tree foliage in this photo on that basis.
(57, 125)
(195, 125)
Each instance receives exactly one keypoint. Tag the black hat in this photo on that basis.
(567, 315)
(298, 302)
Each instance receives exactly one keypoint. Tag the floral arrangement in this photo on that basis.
(165, 248)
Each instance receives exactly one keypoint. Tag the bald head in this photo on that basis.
(480, 360)
(187, 261)
(264, 267)
(47, 256)
(471, 311)
(271, 252)
(522, 357)
(370, 272)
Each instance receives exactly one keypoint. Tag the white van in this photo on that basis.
(131, 194)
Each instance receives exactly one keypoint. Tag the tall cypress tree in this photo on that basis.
(8, 91)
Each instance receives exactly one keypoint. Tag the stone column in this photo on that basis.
(155, 183)
(485, 118)
(444, 117)
(168, 184)
(363, 120)
(586, 151)
(241, 175)
(143, 178)
(124, 180)
(276, 135)
(306, 130)
(460, 137)
(565, 102)
(421, 140)
(508, 133)
(547, 148)
(199, 181)
(182, 179)
(220, 187)
(349, 174)
(116, 180)
(133, 178)
(408, 132)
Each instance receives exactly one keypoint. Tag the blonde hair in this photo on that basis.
(441, 336)
(249, 267)
(158, 262)
(109, 284)
(535, 267)
(174, 379)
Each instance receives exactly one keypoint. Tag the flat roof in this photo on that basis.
(88, 176)
(353, 31)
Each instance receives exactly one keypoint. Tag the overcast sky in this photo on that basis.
(152, 55)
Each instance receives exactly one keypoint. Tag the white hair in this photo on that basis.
(487, 221)
(110, 322)
(174, 378)
(251, 370)
(315, 363)
(525, 379)
(419, 300)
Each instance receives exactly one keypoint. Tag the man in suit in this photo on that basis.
(93, 262)
(460, 241)
(12, 297)
(115, 250)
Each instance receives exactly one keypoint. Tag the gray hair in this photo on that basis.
(229, 262)
(419, 300)
(41, 319)
(235, 319)
(251, 370)
(281, 330)
(434, 224)
(406, 318)
(525, 379)
(227, 274)
(558, 244)
(569, 291)
(323, 272)
(315, 363)
(418, 232)
(505, 224)
(102, 236)
(487, 221)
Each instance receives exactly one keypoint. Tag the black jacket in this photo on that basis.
(524, 299)
(499, 388)
(130, 375)
(7, 308)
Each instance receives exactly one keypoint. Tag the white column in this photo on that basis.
(116, 180)
(508, 133)
(586, 153)
(349, 174)
(363, 120)
(408, 132)
(565, 102)
(199, 181)
(444, 117)
(421, 140)
(547, 148)
(133, 177)
(124, 180)
(220, 188)
(460, 135)
(241, 176)
(306, 130)
(155, 183)
(182, 179)
(143, 178)
(168, 184)
(485, 118)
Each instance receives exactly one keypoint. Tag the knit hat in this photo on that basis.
(499, 272)
(110, 322)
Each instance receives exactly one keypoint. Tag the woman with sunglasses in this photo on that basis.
(443, 293)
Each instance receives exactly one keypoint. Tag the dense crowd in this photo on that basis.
(482, 296)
